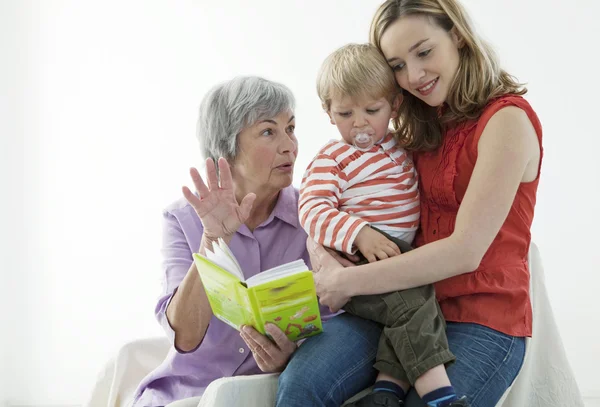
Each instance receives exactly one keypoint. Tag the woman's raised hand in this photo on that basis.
(216, 205)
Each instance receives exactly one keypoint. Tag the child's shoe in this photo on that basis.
(461, 402)
(379, 399)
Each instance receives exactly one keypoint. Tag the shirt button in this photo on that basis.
(242, 350)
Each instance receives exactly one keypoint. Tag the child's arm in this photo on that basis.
(320, 195)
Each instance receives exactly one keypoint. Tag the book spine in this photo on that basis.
(260, 324)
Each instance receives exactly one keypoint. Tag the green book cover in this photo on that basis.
(284, 295)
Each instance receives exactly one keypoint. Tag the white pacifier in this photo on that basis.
(363, 142)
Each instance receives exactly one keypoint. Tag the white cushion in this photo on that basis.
(545, 379)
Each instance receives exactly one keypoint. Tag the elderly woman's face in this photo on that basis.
(266, 155)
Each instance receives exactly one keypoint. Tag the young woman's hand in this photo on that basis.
(345, 259)
(328, 274)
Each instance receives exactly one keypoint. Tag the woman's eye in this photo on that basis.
(291, 129)
(398, 67)
(267, 132)
(423, 54)
(344, 114)
(372, 111)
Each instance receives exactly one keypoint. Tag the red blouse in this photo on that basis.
(497, 293)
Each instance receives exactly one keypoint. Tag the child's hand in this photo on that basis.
(373, 245)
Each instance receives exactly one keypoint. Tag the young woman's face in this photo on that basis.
(424, 57)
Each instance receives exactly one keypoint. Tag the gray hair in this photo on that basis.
(232, 106)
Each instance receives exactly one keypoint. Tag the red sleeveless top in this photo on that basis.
(497, 293)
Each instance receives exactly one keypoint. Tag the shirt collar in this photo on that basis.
(286, 207)
(387, 143)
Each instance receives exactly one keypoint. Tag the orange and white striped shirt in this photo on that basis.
(344, 189)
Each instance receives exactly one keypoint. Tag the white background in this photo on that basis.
(98, 108)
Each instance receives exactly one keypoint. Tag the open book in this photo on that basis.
(284, 295)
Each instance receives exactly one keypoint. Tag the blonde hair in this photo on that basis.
(478, 79)
(355, 70)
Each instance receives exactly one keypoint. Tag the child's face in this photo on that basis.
(358, 115)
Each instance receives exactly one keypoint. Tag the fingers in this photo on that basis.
(371, 258)
(211, 175)
(341, 259)
(381, 254)
(352, 257)
(394, 248)
(225, 174)
(262, 364)
(314, 260)
(391, 250)
(199, 183)
(212, 178)
(246, 207)
(280, 339)
(380, 249)
(317, 280)
(333, 308)
(257, 352)
(190, 197)
(261, 345)
(319, 256)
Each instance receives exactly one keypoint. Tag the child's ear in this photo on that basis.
(330, 116)
(396, 104)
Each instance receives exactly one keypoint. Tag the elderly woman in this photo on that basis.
(247, 126)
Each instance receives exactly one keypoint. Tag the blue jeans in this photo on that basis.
(331, 367)
(487, 362)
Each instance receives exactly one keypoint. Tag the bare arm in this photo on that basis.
(189, 311)
(507, 152)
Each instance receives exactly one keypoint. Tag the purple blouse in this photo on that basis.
(280, 239)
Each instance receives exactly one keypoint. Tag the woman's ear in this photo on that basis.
(457, 38)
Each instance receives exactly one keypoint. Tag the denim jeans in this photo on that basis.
(331, 367)
(487, 362)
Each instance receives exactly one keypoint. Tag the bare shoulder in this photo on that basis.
(510, 126)
(510, 131)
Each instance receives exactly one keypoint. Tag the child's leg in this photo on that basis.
(435, 389)
(415, 334)
(382, 381)
(431, 380)
(387, 389)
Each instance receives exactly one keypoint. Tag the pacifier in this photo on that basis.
(363, 142)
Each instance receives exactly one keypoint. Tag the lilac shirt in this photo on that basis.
(280, 239)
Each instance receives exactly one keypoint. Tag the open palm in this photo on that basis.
(219, 211)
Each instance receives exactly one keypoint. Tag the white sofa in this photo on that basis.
(545, 380)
